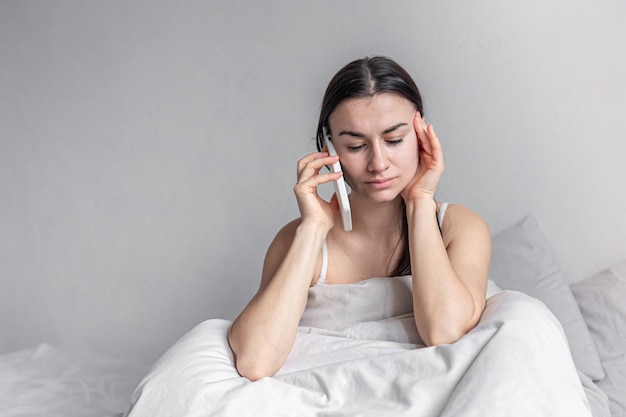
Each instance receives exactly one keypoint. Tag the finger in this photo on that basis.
(434, 140)
(315, 181)
(312, 167)
(435, 144)
(422, 134)
(302, 163)
(310, 157)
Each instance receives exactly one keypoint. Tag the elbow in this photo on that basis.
(249, 364)
(448, 333)
(444, 337)
(252, 370)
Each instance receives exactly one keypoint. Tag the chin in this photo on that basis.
(385, 196)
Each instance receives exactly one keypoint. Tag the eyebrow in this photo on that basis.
(361, 135)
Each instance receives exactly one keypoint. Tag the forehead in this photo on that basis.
(372, 113)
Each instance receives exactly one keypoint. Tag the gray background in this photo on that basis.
(148, 148)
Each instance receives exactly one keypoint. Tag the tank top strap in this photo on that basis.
(441, 213)
(322, 277)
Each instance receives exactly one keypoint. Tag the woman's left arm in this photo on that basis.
(450, 270)
(449, 266)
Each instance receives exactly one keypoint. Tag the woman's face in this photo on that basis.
(376, 143)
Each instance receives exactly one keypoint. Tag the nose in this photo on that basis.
(378, 160)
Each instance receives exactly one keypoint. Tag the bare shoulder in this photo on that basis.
(461, 223)
(285, 235)
(277, 249)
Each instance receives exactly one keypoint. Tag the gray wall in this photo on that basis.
(148, 149)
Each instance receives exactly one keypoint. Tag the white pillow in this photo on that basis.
(521, 260)
(602, 301)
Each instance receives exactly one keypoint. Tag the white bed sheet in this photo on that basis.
(48, 381)
(516, 362)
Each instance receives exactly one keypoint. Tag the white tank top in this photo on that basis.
(321, 280)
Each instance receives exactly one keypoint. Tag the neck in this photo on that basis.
(376, 220)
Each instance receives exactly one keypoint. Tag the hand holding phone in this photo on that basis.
(340, 185)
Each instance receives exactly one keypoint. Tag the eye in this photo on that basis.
(395, 141)
(355, 148)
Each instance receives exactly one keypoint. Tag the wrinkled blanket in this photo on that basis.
(357, 353)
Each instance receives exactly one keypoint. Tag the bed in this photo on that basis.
(344, 370)
(54, 381)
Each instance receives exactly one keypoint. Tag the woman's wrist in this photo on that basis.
(314, 226)
(425, 204)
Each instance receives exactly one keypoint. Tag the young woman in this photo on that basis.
(341, 320)
(392, 160)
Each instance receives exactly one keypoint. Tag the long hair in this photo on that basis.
(365, 78)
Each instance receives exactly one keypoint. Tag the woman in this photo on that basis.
(392, 160)
(338, 317)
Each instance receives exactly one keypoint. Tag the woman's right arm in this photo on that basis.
(263, 334)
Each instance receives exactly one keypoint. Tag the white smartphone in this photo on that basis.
(340, 184)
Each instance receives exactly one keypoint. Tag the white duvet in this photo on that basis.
(357, 353)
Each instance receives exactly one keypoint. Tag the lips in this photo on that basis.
(380, 182)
